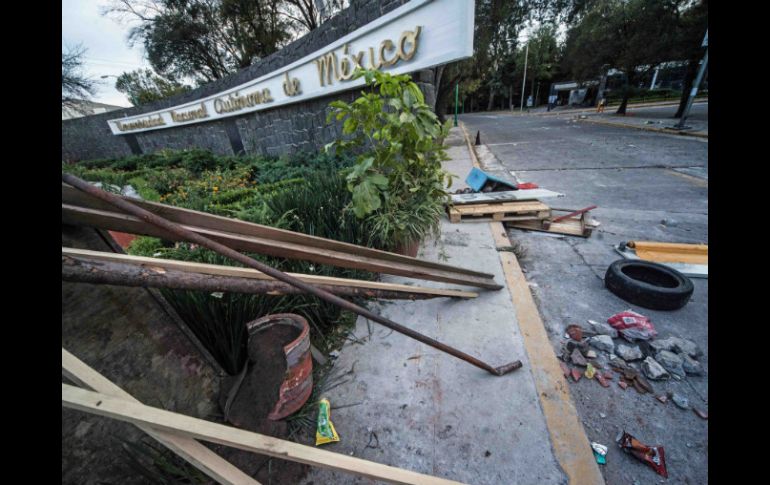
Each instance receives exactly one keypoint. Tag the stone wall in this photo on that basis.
(277, 131)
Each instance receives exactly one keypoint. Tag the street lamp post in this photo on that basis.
(696, 85)
(524, 83)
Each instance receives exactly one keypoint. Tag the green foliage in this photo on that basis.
(143, 86)
(304, 193)
(145, 246)
(398, 184)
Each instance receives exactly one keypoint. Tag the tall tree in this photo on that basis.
(542, 57)
(203, 39)
(307, 15)
(692, 28)
(143, 86)
(75, 85)
(633, 36)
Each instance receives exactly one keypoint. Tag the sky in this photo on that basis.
(105, 39)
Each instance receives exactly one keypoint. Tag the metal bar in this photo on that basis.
(572, 214)
(190, 236)
(121, 274)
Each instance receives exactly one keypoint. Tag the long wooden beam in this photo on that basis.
(195, 453)
(189, 217)
(140, 414)
(127, 223)
(239, 272)
(79, 270)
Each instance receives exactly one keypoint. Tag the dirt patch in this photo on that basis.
(256, 397)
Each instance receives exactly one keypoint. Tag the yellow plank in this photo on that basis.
(671, 252)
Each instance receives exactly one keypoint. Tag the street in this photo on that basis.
(647, 186)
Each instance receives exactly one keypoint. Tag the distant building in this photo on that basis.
(79, 108)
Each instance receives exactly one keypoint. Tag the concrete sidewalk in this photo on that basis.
(408, 405)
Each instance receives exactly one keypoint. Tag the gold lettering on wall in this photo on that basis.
(141, 123)
(291, 86)
(236, 102)
(190, 115)
(404, 50)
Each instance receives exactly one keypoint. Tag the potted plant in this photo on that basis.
(398, 185)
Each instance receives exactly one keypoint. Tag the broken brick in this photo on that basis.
(703, 414)
(575, 332)
(623, 384)
(564, 369)
(662, 398)
(602, 380)
(576, 374)
(607, 375)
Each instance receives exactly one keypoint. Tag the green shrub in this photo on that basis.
(398, 183)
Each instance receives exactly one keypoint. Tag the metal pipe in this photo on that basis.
(188, 235)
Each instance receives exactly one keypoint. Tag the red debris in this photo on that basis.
(662, 398)
(528, 185)
(575, 332)
(654, 456)
(622, 384)
(576, 374)
(564, 369)
(703, 414)
(607, 375)
(602, 380)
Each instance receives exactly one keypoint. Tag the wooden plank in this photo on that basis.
(195, 453)
(509, 195)
(126, 223)
(521, 206)
(72, 196)
(136, 413)
(504, 211)
(245, 274)
(570, 227)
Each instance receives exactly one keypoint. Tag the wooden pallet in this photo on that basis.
(529, 210)
(574, 226)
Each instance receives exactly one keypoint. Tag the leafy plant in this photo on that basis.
(398, 184)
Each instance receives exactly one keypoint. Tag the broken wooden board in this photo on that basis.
(126, 223)
(687, 269)
(509, 195)
(662, 252)
(503, 211)
(74, 197)
(570, 227)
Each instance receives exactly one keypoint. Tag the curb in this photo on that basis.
(569, 441)
(593, 109)
(696, 134)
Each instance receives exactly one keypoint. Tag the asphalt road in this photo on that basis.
(647, 186)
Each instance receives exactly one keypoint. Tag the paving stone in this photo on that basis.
(690, 365)
(629, 352)
(602, 342)
(654, 370)
(671, 361)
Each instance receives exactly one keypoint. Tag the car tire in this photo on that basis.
(647, 284)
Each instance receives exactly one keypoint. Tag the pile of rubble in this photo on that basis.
(637, 359)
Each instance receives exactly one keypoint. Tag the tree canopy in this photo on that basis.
(75, 85)
(143, 86)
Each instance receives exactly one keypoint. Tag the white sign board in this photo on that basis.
(418, 35)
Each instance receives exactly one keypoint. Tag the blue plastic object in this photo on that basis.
(478, 178)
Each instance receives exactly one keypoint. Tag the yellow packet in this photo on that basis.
(325, 432)
(590, 371)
